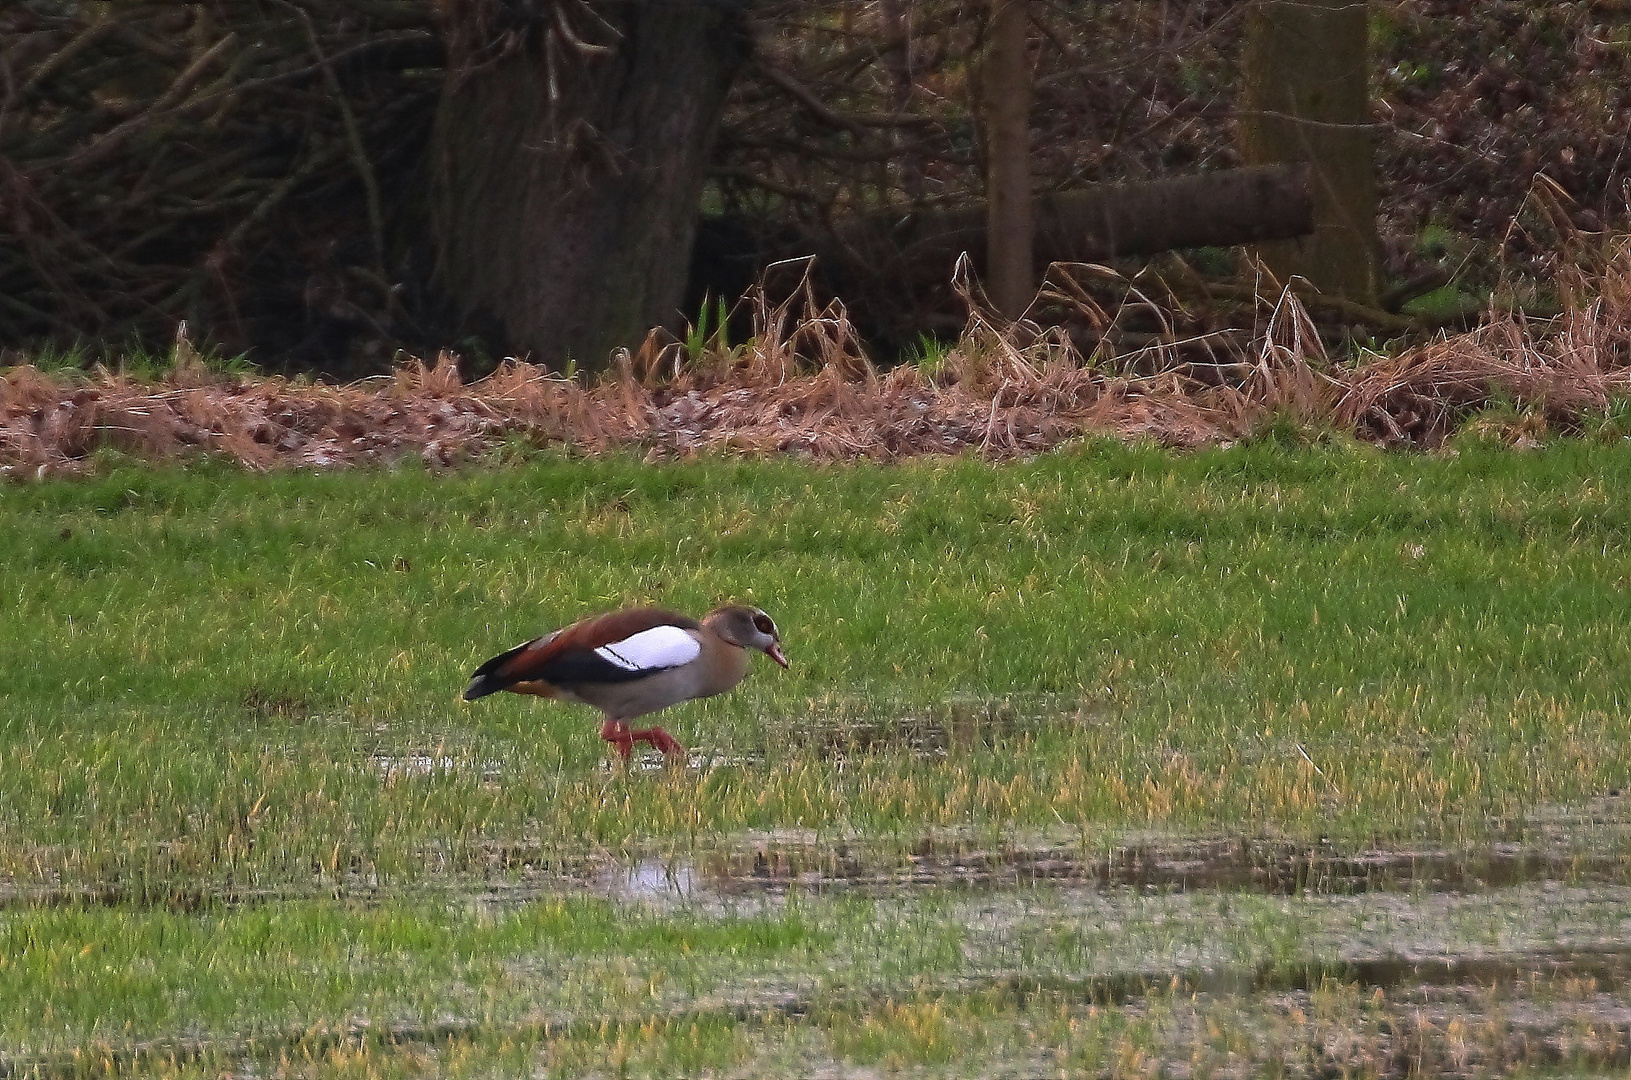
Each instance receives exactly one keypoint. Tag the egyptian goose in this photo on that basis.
(631, 663)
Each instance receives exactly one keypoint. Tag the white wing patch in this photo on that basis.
(652, 650)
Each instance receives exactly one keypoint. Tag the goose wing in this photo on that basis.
(620, 647)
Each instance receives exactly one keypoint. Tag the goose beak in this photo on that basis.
(774, 651)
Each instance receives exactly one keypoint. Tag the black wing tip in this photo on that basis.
(480, 686)
(496, 662)
(486, 680)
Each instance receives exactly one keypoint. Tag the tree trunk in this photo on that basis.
(1306, 67)
(567, 175)
(1006, 89)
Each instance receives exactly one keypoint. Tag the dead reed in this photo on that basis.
(804, 386)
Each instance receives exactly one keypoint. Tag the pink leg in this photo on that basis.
(617, 733)
(661, 739)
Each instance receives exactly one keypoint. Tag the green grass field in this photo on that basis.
(246, 825)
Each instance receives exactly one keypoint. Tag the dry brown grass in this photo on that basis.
(804, 386)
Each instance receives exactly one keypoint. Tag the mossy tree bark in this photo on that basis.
(1306, 97)
(1005, 86)
(567, 172)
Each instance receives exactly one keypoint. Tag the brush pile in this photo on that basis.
(231, 164)
(803, 387)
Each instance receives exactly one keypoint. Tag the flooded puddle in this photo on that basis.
(1592, 846)
(1243, 864)
(1580, 846)
(399, 766)
(650, 881)
(837, 728)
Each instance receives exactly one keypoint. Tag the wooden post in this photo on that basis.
(1306, 66)
(897, 63)
(1006, 90)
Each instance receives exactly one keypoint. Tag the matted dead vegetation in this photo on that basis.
(804, 386)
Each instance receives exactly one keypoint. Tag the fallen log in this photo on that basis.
(893, 268)
(1221, 209)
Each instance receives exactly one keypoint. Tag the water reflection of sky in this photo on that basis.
(651, 881)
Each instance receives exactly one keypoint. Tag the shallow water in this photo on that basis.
(1229, 955)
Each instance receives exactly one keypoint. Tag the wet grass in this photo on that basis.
(215, 674)
(245, 816)
(931, 978)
